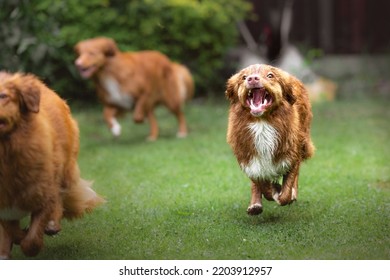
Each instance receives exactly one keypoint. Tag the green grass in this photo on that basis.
(187, 198)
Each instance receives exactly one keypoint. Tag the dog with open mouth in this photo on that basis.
(269, 131)
(134, 82)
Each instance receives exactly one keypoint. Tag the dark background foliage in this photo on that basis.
(38, 36)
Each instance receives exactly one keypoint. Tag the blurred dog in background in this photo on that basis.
(39, 173)
(134, 81)
(269, 131)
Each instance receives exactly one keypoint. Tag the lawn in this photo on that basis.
(187, 198)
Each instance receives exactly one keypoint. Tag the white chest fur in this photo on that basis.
(262, 166)
(115, 94)
(12, 214)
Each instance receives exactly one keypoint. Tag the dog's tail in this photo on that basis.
(80, 199)
(308, 149)
(185, 81)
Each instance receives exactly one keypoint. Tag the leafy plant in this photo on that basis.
(38, 35)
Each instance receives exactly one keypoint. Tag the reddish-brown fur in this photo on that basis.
(269, 131)
(39, 174)
(144, 79)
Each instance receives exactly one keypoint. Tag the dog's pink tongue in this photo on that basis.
(258, 101)
(86, 72)
(257, 96)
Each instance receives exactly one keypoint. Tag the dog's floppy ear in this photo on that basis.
(29, 93)
(289, 84)
(231, 88)
(110, 48)
(76, 49)
(289, 95)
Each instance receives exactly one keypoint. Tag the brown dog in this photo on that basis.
(269, 131)
(136, 81)
(39, 174)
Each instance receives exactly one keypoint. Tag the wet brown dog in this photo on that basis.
(269, 131)
(39, 174)
(134, 81)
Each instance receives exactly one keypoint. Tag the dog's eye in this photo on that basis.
(3, 96)
(270, 75)
(244, 77)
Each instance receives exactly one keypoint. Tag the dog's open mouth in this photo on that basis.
(86, 72)
(258, 99)
(3, 123)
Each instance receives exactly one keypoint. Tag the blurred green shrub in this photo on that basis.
(38, 35)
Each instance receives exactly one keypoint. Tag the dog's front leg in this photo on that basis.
(289, 190)
(5, 244)
(6, 241)
(109, 114)
(10, 233)
(32, 244)
(255, 206)
(54, 224)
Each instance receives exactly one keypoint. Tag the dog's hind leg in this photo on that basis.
(181, 120)
(289, 191)
(255, 206)
(176, 108)
(153, 126)
(182, 132)
(139, 109)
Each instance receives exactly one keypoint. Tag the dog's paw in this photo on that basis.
(255, 209)
(116, 130)
(294, 195)
(151, 138)
(138, 118)
(275, 196)
(52, 228)
(181, 134)
(282, 199)
(31, 247)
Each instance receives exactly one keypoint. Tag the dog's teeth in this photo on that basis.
(265, 101)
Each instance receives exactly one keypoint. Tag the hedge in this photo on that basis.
(38, 35)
